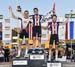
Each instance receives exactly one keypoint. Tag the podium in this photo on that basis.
(37, 60)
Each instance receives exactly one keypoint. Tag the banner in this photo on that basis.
(7, 31)
(0, 26)
(0, 35)
(0, 30)
(61, 31)
(70, 30)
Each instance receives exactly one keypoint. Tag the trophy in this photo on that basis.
(18, 8)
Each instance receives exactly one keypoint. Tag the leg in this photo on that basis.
(50, 47)
(20, 43)
(26, 39)
(50, 52)
(34, 41)
(39, 39)
(34, 36)
(7, 58)
(56, 43)
(56, 53)
(39, 36)
(26, 42)
(19, 48)
(27, 47)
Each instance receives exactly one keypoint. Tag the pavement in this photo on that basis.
(65, 64)
(6, 64)
(68, 64)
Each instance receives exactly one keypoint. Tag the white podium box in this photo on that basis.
(20, 62)
(55, 64)
(36, 57)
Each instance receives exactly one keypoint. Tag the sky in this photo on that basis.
(62, 6)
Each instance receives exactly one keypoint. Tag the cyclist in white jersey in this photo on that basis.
(24, 24)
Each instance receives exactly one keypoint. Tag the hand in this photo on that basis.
(70, 15)
(10, 8)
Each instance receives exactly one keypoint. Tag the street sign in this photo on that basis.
(1, 16)
(72, 15)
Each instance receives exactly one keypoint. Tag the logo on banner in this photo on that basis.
(7, 28)
(7, 20)
(7, 35)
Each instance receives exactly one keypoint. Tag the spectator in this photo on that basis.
(13, 52)
(6, 53)
(1, 55)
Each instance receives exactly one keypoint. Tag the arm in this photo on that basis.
(31, 16)
(22, 13)
(68, 18)
(11, 12)
(43, 21)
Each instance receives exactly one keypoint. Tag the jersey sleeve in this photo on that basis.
(19, 18)
(31, 16)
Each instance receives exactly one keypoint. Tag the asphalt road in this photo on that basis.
(67, 64)
(5, 64)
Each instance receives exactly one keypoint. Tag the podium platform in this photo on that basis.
(36, 58)
(32, 62)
